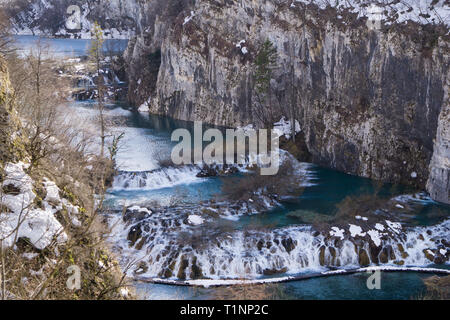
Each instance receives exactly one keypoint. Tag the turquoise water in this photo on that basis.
(326, 190)
(394, 286)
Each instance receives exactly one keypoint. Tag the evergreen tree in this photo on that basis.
(265, 64)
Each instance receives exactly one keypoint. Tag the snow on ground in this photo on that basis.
(189, 18)
(144, 108)
(22, 218)
(206, 283)
(336, 232)
(140, 209)
(284, 127)
(421, 11)
(241, 46)
(396, 227)
(375, 236)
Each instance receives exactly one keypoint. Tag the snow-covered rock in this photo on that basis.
(24, 219)
(284, 127)
(195, 220)
(336, 232)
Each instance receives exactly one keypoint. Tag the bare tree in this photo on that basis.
(5, 36)
(96, 55)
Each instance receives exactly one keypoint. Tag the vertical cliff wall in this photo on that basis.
(143, 54)
(368, 101)
(439, 181)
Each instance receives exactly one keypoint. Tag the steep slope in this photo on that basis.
(45, 229)
(439, 181)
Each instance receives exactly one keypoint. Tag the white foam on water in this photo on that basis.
(137, 150)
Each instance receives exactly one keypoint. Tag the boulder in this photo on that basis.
(429, 254)
(270, 272)
(332, 254)
(134, 234)
(322, 255)
(196, 271)
(363, 258)
(288, 244)
(182, 269)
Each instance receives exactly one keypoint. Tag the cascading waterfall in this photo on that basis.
(167, 246)
(156, 179)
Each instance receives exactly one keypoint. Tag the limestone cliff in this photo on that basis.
(439, 181)
(368, 101)
(143, 54)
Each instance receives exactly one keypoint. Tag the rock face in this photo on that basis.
(143, 54)
(368, 101)
(439, 181)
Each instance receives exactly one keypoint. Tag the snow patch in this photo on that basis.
(189, 18)
(195, 220)
(284, 128)
(25, 221)
(396, 227)
(356, 231)
(375, 236)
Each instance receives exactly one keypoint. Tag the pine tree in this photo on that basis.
(265, 64)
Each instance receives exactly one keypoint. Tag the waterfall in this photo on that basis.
(171, 248)
(156, 179)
